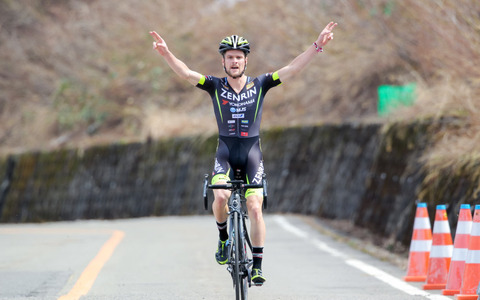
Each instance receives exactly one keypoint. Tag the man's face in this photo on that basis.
(234, 62)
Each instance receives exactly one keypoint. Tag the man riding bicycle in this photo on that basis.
(237, 102)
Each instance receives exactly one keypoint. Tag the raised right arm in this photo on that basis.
(178, 66)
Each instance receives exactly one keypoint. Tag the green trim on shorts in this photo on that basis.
(251, 192)
(220, 177)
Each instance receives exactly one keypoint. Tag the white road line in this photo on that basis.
(360, 265)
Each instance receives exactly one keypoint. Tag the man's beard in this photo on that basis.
(235, 77)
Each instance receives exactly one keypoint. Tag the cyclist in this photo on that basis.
(237, 102)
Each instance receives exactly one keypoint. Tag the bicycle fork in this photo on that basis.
(237, 216)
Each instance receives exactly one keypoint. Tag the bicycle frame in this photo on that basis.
(238, 263)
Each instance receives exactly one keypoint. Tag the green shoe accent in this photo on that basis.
(257, 277)
(222, 252)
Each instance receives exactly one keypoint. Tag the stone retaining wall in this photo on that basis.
(369, 174)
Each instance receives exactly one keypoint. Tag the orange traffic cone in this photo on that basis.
(460, 248)
(420, 245)
(471, 275)
(441, 253)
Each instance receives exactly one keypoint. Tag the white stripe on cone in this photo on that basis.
(421, 223)
(459, 254)
(442, 251)
(473, 257)
(441, 227)
(421, 245)
(464, 227)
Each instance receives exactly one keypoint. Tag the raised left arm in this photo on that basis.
(303, 59)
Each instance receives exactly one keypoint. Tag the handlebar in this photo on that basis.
(233, 185)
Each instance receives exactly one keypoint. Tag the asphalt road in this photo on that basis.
(173, 258)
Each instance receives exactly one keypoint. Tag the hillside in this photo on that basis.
(78, 73)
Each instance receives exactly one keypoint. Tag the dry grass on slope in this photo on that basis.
(75, 73)
(444, 54)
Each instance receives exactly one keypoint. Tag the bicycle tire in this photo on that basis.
(236, 263)
(244, 260)
(205, 192)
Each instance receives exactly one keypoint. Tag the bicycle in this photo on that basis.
(239, 261)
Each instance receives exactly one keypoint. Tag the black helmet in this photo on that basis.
(234, 42)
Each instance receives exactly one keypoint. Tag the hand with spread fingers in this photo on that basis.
(326, 35)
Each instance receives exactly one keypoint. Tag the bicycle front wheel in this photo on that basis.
(244, 263)
(236, 260)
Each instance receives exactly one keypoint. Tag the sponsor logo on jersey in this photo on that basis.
(240, 109)
(250, 85)
(240, 97)
(238, 116)
(244, 121)
(244, 103)
(244, 133)
(224, 102)
(231, 121)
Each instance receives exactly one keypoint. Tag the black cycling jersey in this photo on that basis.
(238, 120)
(238, 115)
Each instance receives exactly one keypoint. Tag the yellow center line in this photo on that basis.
(47, 231)
(89, 275)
